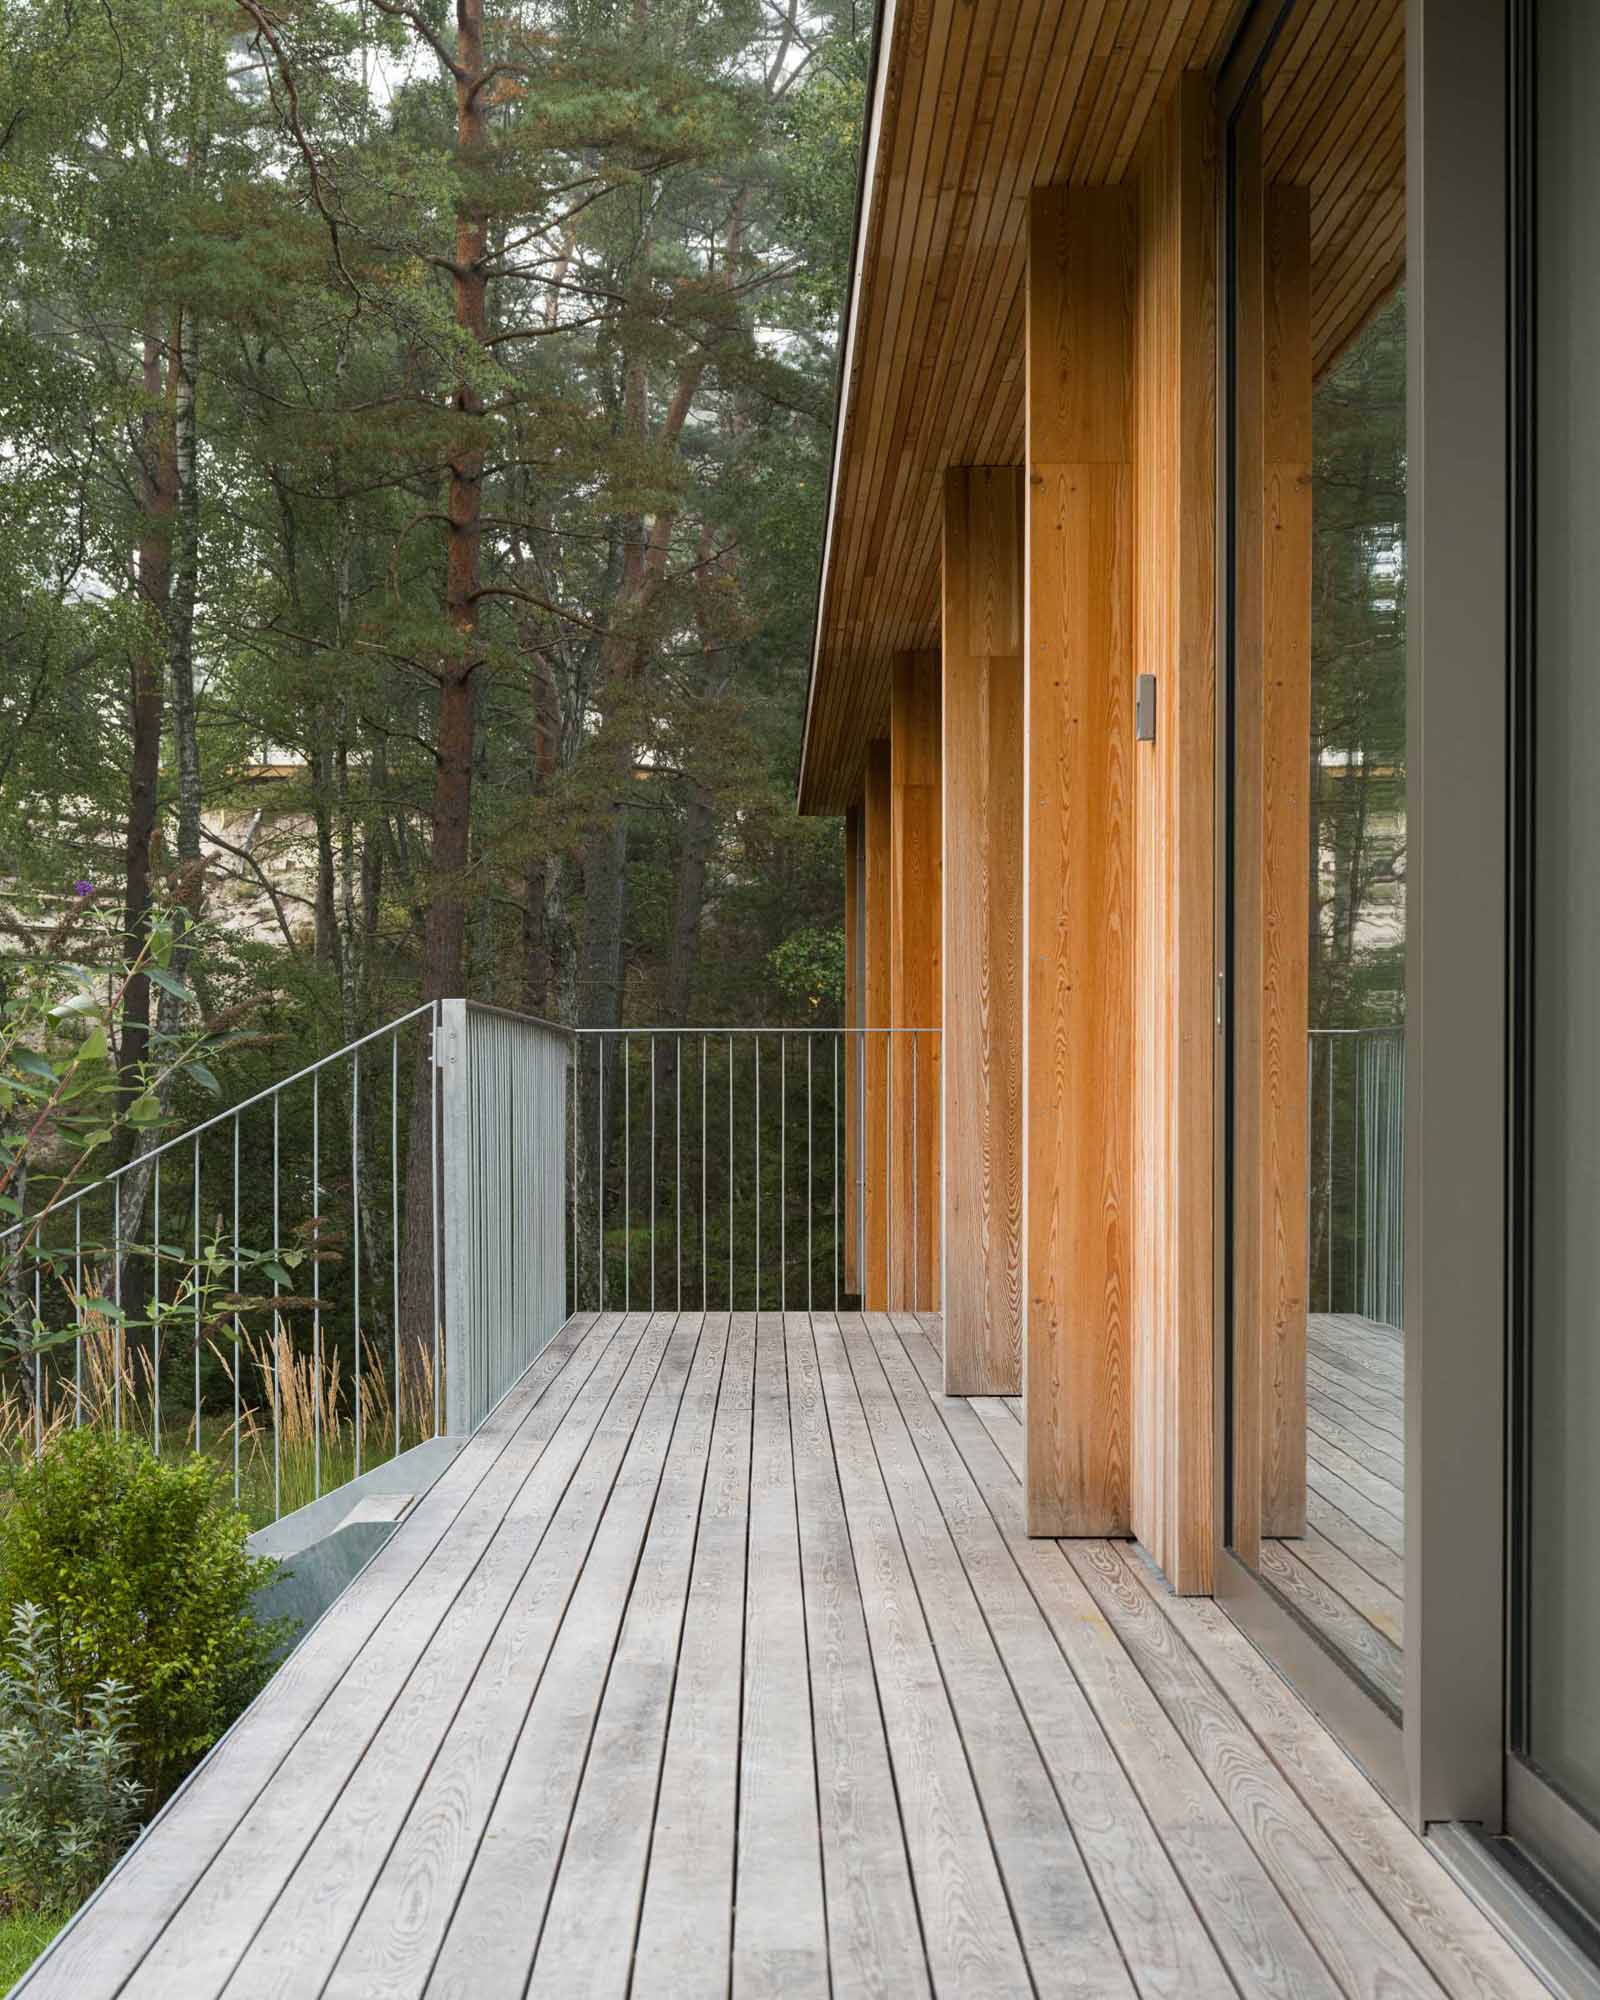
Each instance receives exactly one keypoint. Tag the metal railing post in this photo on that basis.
(456, 1177)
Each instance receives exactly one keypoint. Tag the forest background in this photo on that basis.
(415, 425)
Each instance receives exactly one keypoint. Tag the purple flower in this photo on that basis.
(83, 888)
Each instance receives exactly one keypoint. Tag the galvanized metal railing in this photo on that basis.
(367, 1254)
(1355, 1081)
(745, 1168)
(263, 1287)
(504, 1101)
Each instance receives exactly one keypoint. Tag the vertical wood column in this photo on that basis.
(877, 929)
(915, 981)
(982, 872)
(850, 1193)
(1077, 903)
(1175, 839)
(1272, 722)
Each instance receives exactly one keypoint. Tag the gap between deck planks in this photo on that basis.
(720, 1663)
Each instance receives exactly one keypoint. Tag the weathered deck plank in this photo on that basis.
(721, 1663)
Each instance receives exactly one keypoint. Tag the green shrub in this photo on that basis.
(140, 1565)
(69, 1804)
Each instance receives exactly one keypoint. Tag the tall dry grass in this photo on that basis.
(294, 1435)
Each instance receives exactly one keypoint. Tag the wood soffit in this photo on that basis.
(975, 103)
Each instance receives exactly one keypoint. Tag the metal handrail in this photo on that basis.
(129, 1384)
(788, 1192)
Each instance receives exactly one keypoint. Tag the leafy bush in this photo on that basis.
(141, 1566)
(68, 1801)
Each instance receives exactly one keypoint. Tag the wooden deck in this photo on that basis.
(1347, 1574)
(719, 1662)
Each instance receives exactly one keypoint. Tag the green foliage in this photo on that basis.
(23, 1935)
(140, 1563)
(1358, 639)
(69, 1803)
(808, 969)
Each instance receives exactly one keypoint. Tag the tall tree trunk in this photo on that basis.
(190, 885)
(689, 899)
(444, 938)
(158, 485)
(455, 741)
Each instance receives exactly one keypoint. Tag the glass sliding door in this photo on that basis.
(1317, 831)
(1556, 1527)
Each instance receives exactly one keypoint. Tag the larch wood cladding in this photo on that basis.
(1078, 890)
(915, 954)
(1272, 734)
(1174, 888)
(850, 1203)
(877, 921)
(977, 102)
(982, 640)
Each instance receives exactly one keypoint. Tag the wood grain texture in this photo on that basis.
(971, 1942)
(1174, 838)
(1059, 1917)
(915, 981)
(686, 1926)
(878, 930)
(977, 104)
(905, 1749)
(981, 1056)
(853, 1019)
(875, 1939)
(493, 1932)
(780, 1937)
(1157, 1927)
(1078, 895)
(1272, 725)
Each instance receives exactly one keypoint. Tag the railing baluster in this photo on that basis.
(810, 1171)
(277, 1329)
(677, 1084)
(238, 1324)
(196, 1296)
(783, 1173)
(577, 1266)
(705, 1239)
(316, 1283)
(77, 1314)
(731, 1173)
(155, 1302)
(755, 1043)
(116, 1300)
(627, 1173)
(355, 1233)
(394, 1225)
(653, 1161)
(38, 1359)
(916, 1166)
(600, 1167)
(834, 1122)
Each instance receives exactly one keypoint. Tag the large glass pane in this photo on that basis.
(1318, 821)
(1562, 1718)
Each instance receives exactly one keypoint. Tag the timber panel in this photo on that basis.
(853, 1019)
(977, 104)
(982, 1010)
(1077, 905)
(915, 955)
(877, 929)
(1174, 839)
(1272, 723)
